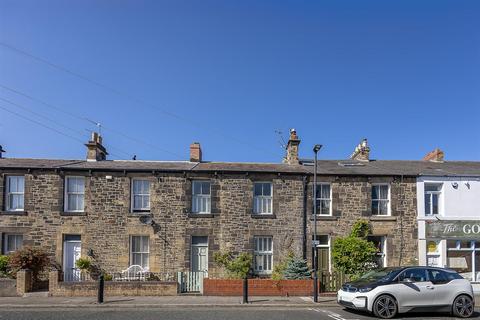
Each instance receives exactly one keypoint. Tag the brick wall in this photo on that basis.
(257, 287)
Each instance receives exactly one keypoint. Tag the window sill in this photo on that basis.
(383, 218)
(139, 213)
(202, 215)
(263, 216)
(13, 213)
(324, 217)
(73, 213)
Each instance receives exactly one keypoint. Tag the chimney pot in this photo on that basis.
(292, 148)
(361, 152)
(436, 155)
(195, 152)
(95, 150)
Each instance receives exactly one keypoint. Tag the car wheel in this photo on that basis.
(385, 307)
(463, 306)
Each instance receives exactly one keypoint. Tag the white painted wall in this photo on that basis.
(460, 203)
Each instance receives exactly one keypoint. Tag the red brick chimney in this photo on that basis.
(95, 150)
(362, 151)
(436, 155)
(195, 152)
(292, 148)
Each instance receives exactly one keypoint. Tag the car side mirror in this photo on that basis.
(407, 280)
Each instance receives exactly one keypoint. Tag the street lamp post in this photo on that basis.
(316, 148)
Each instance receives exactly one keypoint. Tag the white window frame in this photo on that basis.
(8, 193)
(262, 198)
(198, 199)
(430, 194)
(133, 194)
(141, 236)
(5, 242)
(67, 194)
(388, 199)
(329, 199)
(262, 253)
(328, 245)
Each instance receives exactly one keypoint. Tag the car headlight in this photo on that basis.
(366, 289)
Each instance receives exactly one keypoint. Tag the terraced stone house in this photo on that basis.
(170, 216)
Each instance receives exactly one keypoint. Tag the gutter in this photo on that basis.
(304, 218)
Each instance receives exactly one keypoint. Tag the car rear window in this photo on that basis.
(441, 276)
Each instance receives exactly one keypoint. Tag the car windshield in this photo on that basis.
(384, 274)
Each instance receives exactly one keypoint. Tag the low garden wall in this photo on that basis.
(257, 287)
(8, 287)
(112, 288)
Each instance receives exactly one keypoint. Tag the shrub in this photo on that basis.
(84, 264)
(297, 268)
(4, 269)
(34, 259)
(279, 268)
(237, 267)
(107, 277)
(354, 254)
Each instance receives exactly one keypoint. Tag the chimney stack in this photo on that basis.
(436, 155)
(1, 152)
(195, 152)
(292, 148)
(95, 150)
(362, 152)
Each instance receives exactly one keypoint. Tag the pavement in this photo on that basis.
(36, 302)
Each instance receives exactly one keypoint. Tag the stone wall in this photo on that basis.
(112, 288)
(351, 201)
(107, 223)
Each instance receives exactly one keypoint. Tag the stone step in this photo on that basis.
(36, 294)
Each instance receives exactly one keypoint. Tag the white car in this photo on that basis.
(389, 291)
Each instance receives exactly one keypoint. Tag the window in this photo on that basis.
(74, 194)
(262, 198)
(432, 197)
(15, 193)
(140, 195)
(263, 255)
(464, 257)
(415, 274)
(323, 199)
(201, 197)
(433, 253)
(139, 251)
(12, 242)
(380, 199)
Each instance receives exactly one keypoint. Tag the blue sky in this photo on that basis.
(229, 74)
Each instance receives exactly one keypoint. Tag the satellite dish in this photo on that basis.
(146, 220)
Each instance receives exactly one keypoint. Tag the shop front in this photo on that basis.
(454, 244)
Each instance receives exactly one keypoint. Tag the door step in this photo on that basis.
(36, 294)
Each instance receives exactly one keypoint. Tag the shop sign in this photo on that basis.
(452, 229)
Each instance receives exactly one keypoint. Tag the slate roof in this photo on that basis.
(325, 167)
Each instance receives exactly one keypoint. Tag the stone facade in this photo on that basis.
(107, 223)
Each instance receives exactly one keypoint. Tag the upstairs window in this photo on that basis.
(263, 255)
(15, 190)
(74, 194)
(201, 197)
(380, 200)
(323, 199)
(432, 198)
(262, 198)
(140, 195)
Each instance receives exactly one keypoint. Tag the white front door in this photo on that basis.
(200, 258)
(72, 248)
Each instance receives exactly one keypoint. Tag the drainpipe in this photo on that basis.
(304, 220)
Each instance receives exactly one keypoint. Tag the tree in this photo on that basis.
(279, 268)
(354, 254)
(297, 268)
(237, 267)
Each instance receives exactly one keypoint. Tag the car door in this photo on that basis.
(414, 289)
(445, 289)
